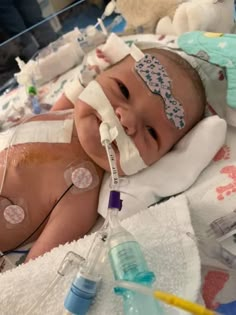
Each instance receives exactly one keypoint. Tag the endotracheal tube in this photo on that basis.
(84, 286)
(125, 256)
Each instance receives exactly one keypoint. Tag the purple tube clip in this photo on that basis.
(114, 200)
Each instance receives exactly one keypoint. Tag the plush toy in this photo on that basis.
(175, 17)
(202, 15)
(144, 14)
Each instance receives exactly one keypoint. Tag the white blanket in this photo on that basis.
(211, 197)
(161, 231)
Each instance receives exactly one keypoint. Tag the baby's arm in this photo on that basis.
(72, 218)
(69, 98)
(62, 103)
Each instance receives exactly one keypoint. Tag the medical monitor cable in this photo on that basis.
(4, 177)
(38, 227)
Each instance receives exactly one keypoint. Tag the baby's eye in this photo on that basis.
(123, 90)
(152, 132)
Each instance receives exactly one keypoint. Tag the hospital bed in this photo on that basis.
(161, 230)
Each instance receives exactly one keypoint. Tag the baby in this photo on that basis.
(154, 112)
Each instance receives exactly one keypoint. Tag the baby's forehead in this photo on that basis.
(149, 69)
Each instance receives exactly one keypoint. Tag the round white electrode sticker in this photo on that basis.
(81, 177)
(14, 214)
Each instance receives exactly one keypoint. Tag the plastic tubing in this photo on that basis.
(173, 300)
(96, 254)
(115, 183)
(104, 130)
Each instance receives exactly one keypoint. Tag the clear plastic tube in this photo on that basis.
(96, 255)
(222, 225)
(97, 252)
(106, 140)
(84, 287)
(213, 249)
(115, 184)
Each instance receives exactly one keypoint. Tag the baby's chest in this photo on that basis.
(35, 167)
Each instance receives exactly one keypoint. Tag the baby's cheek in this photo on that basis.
(147, 151)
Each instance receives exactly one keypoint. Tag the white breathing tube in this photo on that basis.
(89, 274)
(106, 142)
(97, 251)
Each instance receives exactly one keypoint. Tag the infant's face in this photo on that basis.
(140, 112)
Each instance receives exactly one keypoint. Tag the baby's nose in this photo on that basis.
(128, 120)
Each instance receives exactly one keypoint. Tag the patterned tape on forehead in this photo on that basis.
(157, 80)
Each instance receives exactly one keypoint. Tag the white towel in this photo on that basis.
(169, 252)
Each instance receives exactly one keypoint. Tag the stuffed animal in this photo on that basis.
(144, 14)
(201, 15)
(174, 17)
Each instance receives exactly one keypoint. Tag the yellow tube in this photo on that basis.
(191, 307)
(173, 300)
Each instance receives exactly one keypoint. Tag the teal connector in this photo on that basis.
(139, 304)
(128, 263)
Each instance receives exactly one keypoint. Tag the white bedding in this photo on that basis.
(170, 253)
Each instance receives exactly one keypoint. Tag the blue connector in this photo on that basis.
(35, 105)
(33, 99)
(81, 295)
